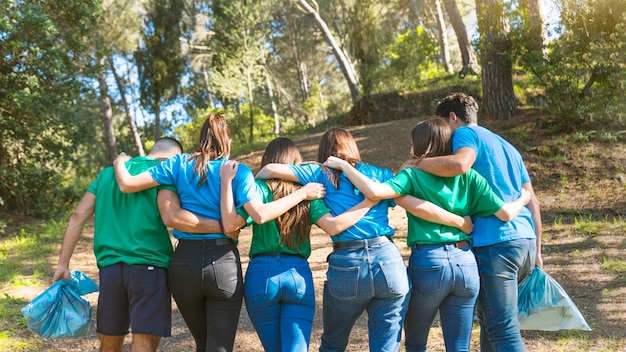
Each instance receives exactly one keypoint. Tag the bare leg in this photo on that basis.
(145, 343)
(110, 343)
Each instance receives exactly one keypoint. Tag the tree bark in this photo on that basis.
(107, 115)
(497, 68)
(537, 25)
(444, 48)
(129, 118)
(157, 121)
(346, 66)
(207, 86)
(468, 58)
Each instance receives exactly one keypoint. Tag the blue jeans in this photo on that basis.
(502, 267)
(280, 300)
(445, 279)
(373, 279)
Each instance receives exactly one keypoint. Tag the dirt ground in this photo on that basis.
(570, 181)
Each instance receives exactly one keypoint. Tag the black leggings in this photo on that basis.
(207, 284)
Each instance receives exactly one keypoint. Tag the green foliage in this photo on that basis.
(41, 62)
(614, 265)
(24, 261)
(160, 63)
(313, 107)
(10, 321)
(585, 73)
(409, 61)
(238, 123)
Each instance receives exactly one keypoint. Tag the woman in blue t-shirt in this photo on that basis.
(365, 271)
(205, 275)
(278, 285)
(442, 268)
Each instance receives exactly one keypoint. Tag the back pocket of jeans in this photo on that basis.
(228, 276)
(396, 276)
(343, 282)
(426, 280)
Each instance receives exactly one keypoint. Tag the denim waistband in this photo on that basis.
(357, 244)
(277, 254)
(458, 244)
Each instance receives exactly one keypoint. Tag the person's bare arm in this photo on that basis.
(263, 212)
(376, 191)
(127, 182)
(458, 163)
(280, 171)
(371, 189)
(83, 211)
(512, 209)
(535, 211)
(430, 212)
(334, 225)
(231, 220)
(174, 216)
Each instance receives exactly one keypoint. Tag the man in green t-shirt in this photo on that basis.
(133, 252)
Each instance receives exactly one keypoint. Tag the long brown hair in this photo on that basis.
(339, 143)
(431, 137)
(296, 220)
(214, 143)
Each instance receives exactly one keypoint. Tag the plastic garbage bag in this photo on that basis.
(544, 305)
(60, 311)
(82, 283)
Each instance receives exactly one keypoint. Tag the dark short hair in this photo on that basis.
(463, 105)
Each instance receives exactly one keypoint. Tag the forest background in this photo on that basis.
(83, 80)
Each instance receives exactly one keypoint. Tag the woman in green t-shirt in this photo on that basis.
(278, 284)
(442, 268)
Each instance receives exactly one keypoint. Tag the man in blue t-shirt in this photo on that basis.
(506, 252)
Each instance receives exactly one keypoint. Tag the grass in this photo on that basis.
(24, 261)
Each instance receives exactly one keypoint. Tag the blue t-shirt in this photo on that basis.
(203, 201)
(501, 164)
(375, 223)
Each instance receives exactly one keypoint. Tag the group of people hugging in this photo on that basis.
(474, 230)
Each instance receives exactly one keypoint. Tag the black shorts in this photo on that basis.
(134, 296)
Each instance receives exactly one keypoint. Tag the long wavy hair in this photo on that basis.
(339, 143)
(297, 220)
(431, 137)
(214, 143)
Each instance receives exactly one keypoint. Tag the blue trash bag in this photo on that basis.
(544, 305)
(60, 311)
(82, 283)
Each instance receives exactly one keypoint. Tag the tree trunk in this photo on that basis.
(157, 121)
(107, 116)
(537, 25)
(468, 58)
(303, 78)
(207, 86)
(444, 48)
(129, 118)
(250, 106)
(497, 69)
(322, 102)
(270, 93)
(345, 64)
(415, 10)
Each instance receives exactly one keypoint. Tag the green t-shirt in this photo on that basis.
(467, 194)
(128, 226)
(266, 238)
